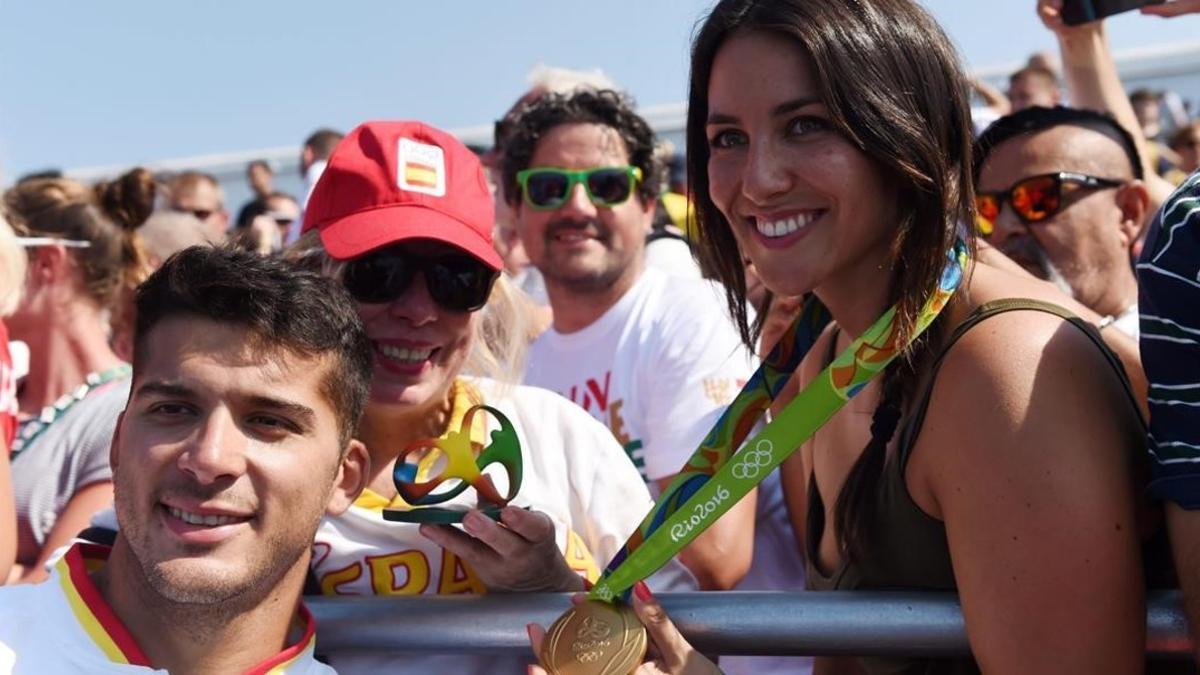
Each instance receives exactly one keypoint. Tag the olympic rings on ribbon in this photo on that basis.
(750, 462)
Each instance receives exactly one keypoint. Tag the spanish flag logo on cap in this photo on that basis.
(422, 168)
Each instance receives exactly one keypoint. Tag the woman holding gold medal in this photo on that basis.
(830, 144)
(403, 217)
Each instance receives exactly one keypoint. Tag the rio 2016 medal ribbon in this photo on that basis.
(432, 471)
(719, 474)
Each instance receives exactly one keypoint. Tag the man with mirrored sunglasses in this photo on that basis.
(1059, 190)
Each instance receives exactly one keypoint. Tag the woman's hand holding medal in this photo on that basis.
(667, 651)
(517, 555)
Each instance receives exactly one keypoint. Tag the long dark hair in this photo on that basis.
(892, 84)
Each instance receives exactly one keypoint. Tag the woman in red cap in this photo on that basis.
(404, 217)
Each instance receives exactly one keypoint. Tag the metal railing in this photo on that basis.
(751, 623)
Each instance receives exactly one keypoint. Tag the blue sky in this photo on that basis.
(127, 81)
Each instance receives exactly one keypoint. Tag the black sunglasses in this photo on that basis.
(459, 283)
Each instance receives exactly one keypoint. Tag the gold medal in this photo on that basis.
(594, 638)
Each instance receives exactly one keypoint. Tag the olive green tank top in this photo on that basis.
(910, 551)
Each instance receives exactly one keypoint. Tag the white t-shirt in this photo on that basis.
(672, 256)
(1127, 322)
(657, 369)
(573, 472)
(63, 625)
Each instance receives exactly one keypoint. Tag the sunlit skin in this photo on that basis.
(283, 207)
(788, 161)
(977, 465)
(217, 427)
(283, 212)
(223, 428)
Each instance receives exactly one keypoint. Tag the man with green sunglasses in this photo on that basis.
(547, 188)
(653, 357)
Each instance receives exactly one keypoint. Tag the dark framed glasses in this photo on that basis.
(459, 283)
(280, 218)
(547, 187)
(202, 214)
(1034, 199)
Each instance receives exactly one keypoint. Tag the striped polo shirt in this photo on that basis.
(1169, 303)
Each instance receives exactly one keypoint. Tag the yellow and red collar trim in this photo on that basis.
(101, 624)
(93, 613)
(463, 397)
(281, 661)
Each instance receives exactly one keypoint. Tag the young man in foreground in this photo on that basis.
(249, 379)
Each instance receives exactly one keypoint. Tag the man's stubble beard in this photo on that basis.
(613, 266)
(261, 574)
(586, 282)
(1053, 275)
(1028, 249)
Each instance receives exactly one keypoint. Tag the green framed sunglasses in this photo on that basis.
(546, 187)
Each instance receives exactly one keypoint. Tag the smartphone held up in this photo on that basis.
(1076, 12)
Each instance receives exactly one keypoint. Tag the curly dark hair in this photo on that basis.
(525, 126)
(282, 305)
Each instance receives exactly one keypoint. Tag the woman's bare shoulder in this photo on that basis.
(1027, 375)
(1021, 396)
(990, 282)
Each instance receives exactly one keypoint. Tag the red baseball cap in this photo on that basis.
(388, 182)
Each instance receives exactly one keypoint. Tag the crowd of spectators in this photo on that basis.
(204, 417)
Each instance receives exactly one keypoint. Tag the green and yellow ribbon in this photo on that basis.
(719, 474)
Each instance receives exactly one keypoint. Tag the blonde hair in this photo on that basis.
(12, 269)
(105, 215)
(500, 332)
